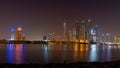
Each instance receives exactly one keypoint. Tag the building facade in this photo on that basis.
(19, 36)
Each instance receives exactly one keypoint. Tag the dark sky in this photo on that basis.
(38, 18)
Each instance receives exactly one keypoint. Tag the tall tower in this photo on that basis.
(65, 31)
(19, 36)
(78, 31)
(70, 35)
(97, 33)
(74, 33)
(12, 34)
(83, 31)
(88, 29)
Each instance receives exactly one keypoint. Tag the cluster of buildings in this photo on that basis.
(17, 35)
(50, 37)
(110, 39)
(82, 31)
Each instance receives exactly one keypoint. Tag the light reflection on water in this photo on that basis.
(35, 53)
(93, 53)
(16, 53)
(10, 53)
(46, 53)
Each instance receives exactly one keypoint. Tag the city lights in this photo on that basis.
(81, 32)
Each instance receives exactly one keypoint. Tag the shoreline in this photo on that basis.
(42, 42)
(66, 65)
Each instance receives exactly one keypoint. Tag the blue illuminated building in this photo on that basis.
(12, 34)
(95, 34)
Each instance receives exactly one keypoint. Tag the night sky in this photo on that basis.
(38, 18)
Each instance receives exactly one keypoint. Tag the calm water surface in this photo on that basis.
(43, 54)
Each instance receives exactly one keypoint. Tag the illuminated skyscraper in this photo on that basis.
(65, 31)
(88, 29)
(12, 34)
(19, 36)
(95, 34)
(74, 33)
(83, 31)
(70, 35)
(78, 31)
(107, 37)
(51, 37)
(103, 37)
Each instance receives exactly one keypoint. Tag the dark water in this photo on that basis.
(43, 54)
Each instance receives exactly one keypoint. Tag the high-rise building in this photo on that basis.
(19, 36)
(74, 33)
(83, 31)
(88, 29)
(103, 38)
(44, 38)
(51, 37)
(77, 30)
(57, 37)
(12, 34)
(95, 34)
(65, 31)
(70, 35)
(107, 37)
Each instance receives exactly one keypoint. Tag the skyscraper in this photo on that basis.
(19, 36)
(12, 34)
(65, 31)
(107, 38)
(74, 33)
(83, 31)
(70, 35)
(88, 29)
(77, 30)
(97, 33)
(103, 37)
(51, 37)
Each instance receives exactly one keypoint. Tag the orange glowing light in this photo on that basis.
(81, 41)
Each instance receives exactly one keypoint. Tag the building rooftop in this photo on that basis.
(19, 29)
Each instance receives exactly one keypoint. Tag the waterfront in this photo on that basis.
(43, 54)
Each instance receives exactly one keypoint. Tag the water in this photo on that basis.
(43, 54)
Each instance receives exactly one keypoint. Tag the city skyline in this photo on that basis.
(39, 18)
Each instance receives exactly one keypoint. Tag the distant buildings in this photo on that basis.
(82, 31)
(17, 35)
(95, 34)
(51, 37)
(107, 38)
(116, 39)
(44, 38)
